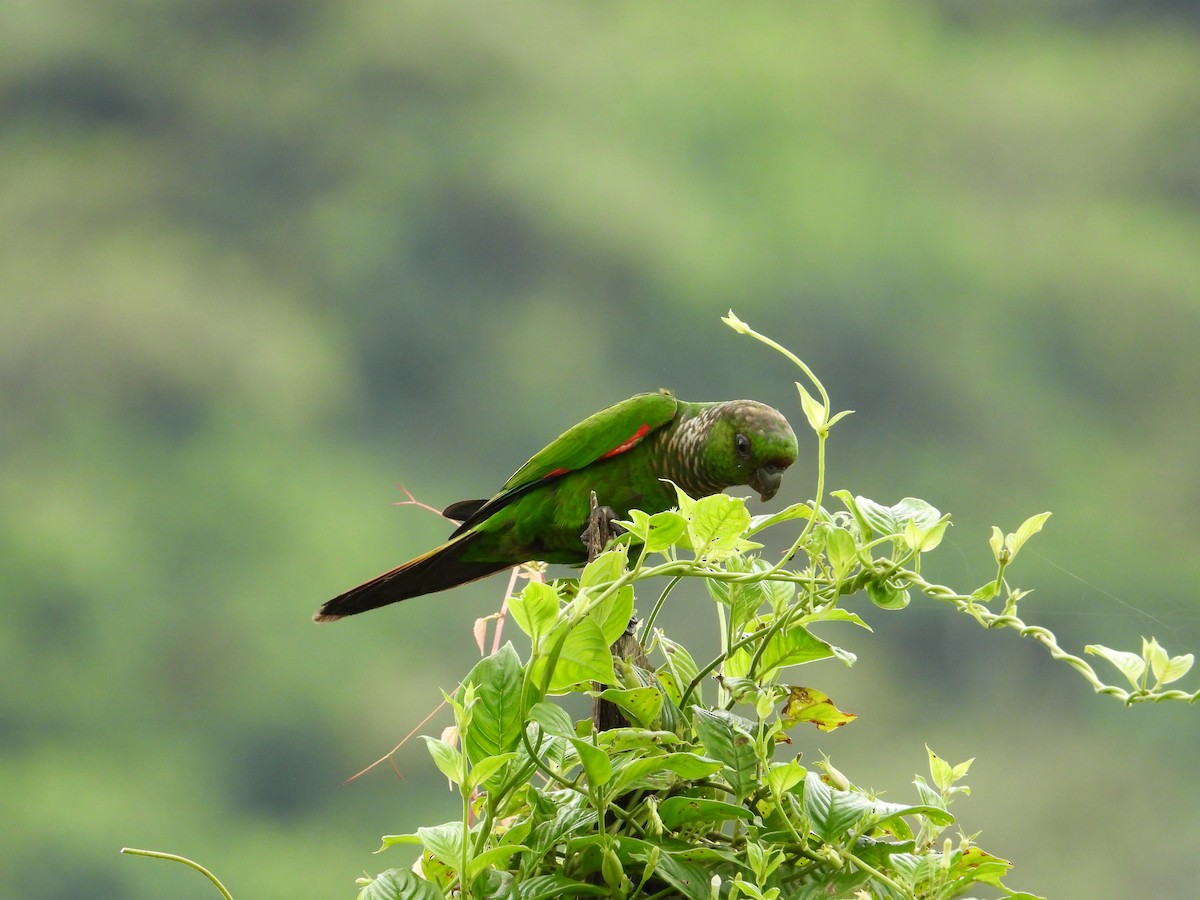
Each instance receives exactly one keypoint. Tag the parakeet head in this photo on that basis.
(737, 442)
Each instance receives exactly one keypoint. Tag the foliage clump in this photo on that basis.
(689, 800)
(694, 798)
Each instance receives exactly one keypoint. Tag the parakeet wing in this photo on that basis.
(611, 431)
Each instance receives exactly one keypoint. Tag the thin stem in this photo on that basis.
(646, 629)
(503, 614)
(726, 639)
(742, 327)
(862, 864)
(543, 768)
(1044, 636)
(711, 667)
(158, 854)
(466, 843)
(738, 325)
(403, 741)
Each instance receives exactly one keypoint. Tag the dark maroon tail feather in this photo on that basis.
(437, 570)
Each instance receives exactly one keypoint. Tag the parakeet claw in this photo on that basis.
(601, 528)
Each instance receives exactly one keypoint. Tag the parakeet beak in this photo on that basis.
(766, 480)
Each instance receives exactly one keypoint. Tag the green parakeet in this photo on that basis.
(623, 453)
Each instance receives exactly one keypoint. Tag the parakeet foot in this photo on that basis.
(601, 528)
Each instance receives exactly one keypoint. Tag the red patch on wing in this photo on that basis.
(628, 442)
(620, 448)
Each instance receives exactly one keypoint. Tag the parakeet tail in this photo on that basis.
(439, 569)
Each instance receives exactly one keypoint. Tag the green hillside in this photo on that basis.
(263, 261)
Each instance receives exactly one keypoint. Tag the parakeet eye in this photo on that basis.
(741, 444)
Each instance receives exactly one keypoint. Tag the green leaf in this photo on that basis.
(886, 595)
(680, 810)
(1166, 668)
(596, 764)
(986, 593)
(832, 813)
(444, 841)
(1028, 529)
(782, 777)
(837, 417)
(553, 719)
(448, 760)
(498, 715)
(997, 546)
(996, 542)
(613, 613)
(877, 853)
(486, 768)
(691, 880)
(690, 766)
(922, 539)
(1176, 668)
(585, 657)
(791, 647)
(705, 855)
(929, 796)
(685, 503)
(491, 882)
(1132, 666)
(841, 551)
(551, 887)
(400, 884)
(880, 518)
(390, 840)
(604, 569)
(742, 598)
(813, 411)
(933, 535)
(924, 532)
(661, 771)
(779, 593)
(942, 771)
(555, 752)
(516, 833)
(461, 702)
(493, 857)
(662, 530)
(795, 511)
(1154, 654)
(725, 739)
(678, 671)
(912, 509)
(637, 526)
(569, 820)
(835, 614)
(643, 740)
(641, 705)
(844, 884)
(851, 504)
(810, 705)
(535, 609)
(737, 665)
(717, 524)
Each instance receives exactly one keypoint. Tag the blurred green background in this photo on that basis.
(262, 261)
